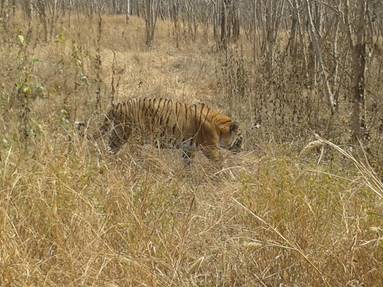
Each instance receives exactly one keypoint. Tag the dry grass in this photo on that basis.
(72, 216)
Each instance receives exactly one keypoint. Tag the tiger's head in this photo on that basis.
(231, 137)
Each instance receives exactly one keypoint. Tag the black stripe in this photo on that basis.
(124, 113)
(141, 110)
(222, 123)
(119, 109)
(149, 113)
(134, 109)
(186, 112)
(165, 113)
(131, 110)
(158, 107)
(170, 110)
(195, 116)
(144, 107)
(153, 119)
(200, 115)
(178, 107)
(177, 111)
(138, 113)
(167, 110)
(213, 118)
(148, 110)
(207, 113)
(174, 129)
(163, 108)
(162, 111)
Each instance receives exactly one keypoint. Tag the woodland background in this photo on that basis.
(300, 206)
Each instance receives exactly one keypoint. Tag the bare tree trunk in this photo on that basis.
(254, 27)
(2, 5)
(127, 11)
(54, 17)
(216, 14)
(175, 16)
(273, 13)
(4, 13)
(138, 9)
(114, 7)
(69, 13)
(335, 54)
(151, 14)
(224, 34)
(269, 45)
(358, 120)
(318, 54)
(229, 21)
(42, 11)
(291, 47)
(98, 63)
(358, 48)
(235, 21)
(28, 9)
(13, 8)
(301, 37)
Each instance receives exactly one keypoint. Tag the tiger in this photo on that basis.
(167, 123)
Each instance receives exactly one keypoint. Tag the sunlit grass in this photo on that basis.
(70, 215)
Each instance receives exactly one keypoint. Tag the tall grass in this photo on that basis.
(70, 215)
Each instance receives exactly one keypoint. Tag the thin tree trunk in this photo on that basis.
(301, 37)
(359, 68)
(151, 13)
(318, 52)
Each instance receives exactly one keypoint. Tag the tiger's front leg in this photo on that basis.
(188, 153)
(118, 137)
(188, 156)
(213, 153)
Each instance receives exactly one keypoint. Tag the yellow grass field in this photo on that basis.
(72, 215)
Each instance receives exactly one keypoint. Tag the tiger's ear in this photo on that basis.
(234, 126)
